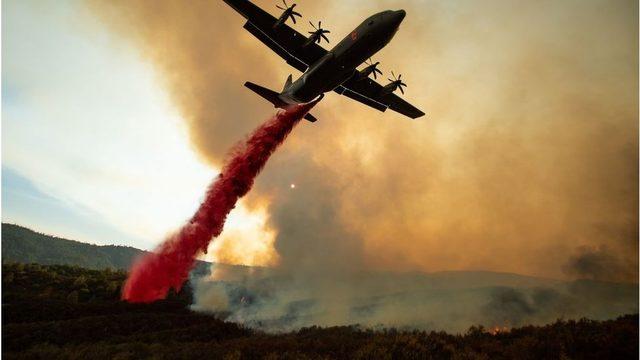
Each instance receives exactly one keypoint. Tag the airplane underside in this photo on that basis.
(328, 70)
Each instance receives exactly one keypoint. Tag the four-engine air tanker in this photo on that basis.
(324, 70)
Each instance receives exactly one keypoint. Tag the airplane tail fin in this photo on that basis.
(273, 97)
(288, 83)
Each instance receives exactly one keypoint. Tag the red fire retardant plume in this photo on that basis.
(168, 266)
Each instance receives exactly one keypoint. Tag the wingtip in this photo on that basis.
(417, 115)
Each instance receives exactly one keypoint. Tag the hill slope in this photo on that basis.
(444, 300)
(23, 245)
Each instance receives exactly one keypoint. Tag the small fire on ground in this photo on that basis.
(498, 330)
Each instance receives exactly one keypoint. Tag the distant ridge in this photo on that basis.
(23, 245)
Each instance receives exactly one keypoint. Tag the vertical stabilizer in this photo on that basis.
(287, 83)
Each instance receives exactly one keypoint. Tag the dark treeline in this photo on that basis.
(61, 311)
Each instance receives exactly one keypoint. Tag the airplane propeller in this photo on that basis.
(319, 33)
(288, 10)
(397, 83)
(373, 68)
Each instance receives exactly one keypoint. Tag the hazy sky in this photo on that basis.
(118, 114)
(92, 148)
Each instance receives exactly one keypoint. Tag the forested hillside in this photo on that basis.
(20, 244)
(59, 311)
(23, 245)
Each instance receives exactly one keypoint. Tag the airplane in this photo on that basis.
(324, 71)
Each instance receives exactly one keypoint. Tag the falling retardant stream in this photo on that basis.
(152, 276)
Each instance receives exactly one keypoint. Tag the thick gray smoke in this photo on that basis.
(528, 156)
(450, 301)
(599, 264)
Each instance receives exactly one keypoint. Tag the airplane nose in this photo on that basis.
(397, 17)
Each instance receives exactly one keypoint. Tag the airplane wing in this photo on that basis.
(283, 40)
(370, 93)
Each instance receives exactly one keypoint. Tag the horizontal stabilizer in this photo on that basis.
(310, 118)
(273, 97)
(269, 95)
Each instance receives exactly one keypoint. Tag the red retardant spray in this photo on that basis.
(152, 275)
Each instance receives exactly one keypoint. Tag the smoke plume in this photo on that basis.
(599, 264)
(528, 153)
(167, 267)
(276, 301)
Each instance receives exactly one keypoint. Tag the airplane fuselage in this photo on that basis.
(339, 64)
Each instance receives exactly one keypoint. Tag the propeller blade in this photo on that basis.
(326, 31)
(293, 18)
(399, 76)
(402, 91)
(374, 75)
(296, 13)
(389, 80)
(312, 32)
(403, 84)
(285, 3)
(319, 24)
(280, 7)
(313, 26)
(325, 38)
(394, 75)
